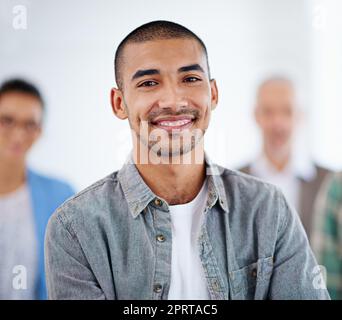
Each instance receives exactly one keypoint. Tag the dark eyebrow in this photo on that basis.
(192, 67)
(147, 72)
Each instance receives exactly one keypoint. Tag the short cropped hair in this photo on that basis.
(155, 30)
(22, 86)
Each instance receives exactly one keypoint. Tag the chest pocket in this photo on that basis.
(251, 281)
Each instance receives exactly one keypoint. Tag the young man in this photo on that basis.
(170, 224)
(277, 115)
(27, 199)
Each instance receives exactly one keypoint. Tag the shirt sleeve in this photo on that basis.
(296, 274)
(68, 274)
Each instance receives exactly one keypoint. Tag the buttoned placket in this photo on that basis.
(215, 283)
(163, 247)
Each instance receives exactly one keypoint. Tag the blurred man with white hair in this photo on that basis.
(277, 115)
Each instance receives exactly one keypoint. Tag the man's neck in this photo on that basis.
(176, 183)
(279, 160)
(12, 176)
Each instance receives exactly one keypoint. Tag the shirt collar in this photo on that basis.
(138, 195)
(300, 167)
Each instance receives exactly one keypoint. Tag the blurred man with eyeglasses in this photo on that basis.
(27, 199)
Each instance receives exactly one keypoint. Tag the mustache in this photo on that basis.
(168, 112)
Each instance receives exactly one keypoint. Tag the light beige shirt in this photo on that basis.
(287, 179)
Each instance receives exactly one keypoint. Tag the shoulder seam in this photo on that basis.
(92, 187)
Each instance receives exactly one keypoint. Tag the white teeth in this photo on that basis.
(174, 123)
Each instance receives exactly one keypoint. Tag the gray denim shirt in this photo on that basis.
(104, 243)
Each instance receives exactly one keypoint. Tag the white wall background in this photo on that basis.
(326, 120)
(68, 49)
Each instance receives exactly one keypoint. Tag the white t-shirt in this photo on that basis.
(18, 246)
(187, 275)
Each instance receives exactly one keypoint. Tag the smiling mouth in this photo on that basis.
(173, 123)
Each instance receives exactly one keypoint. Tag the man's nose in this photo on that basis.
(172, 97)
(19, 134)
(280, 121)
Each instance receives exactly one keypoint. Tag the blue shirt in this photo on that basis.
(46, 195)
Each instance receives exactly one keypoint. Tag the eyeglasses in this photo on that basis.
(7, 124)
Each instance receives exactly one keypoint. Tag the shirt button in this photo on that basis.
(157, 288)
(254, 273)
(215, 285)
(160, 238)
(158, 202)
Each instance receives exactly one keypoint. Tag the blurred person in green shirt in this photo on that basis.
(327, 235)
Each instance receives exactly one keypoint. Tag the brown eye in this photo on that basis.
(191, 79)
(148, 83)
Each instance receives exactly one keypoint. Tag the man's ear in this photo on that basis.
(214, 94)
(118, 104)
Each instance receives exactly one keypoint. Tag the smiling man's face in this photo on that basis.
(166, 92)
